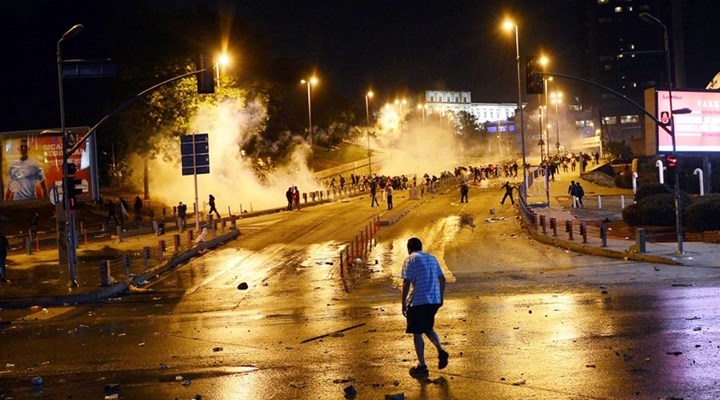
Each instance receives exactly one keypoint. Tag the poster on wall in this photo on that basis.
(696, 121)
(32, 164)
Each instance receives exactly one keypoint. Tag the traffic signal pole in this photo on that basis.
(68, 239)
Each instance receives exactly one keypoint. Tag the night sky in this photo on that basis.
(397, 48)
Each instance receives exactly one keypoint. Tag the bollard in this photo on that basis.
(603, 235)
(161, 248)
(119, 233)
(104, 272)
(146, 257)
(553, 225)
(533, 219)
(28, 244)
(210, 221)
(583, 232)
(305, 197)
(569, 229)
(176, 241)
(342, 269)
(126, 264)
(640, 240)
(155, 227)
(542, 224)
(190, 236)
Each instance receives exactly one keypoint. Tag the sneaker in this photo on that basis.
(420, 370)
(443, 359)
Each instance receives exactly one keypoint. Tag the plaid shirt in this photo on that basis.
(423, 270)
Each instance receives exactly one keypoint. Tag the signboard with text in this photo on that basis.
(32, 163)
(697, 121)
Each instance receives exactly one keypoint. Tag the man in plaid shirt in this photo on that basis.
(421, 272)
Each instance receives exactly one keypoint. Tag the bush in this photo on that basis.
(704, 214)
(657, 209)
(649, 189)
(654, 209)
(631, 215)
(623, 180)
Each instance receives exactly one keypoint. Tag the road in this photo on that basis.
(521, 320)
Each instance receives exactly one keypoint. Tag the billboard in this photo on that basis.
(696, 120)
(32, 163)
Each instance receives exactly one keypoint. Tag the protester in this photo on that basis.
(421, 272)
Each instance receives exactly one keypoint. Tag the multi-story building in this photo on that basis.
(627, 54)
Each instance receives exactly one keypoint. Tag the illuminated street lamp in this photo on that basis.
(556, 98)
(70, 239)
(678, 201)
(223, 60)
(509, 25)
(309, 82)
(368, 96)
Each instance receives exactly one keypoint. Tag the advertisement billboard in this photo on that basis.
(32, 164)
(697, 121)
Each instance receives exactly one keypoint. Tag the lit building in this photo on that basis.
(441, 102)
(627, 55)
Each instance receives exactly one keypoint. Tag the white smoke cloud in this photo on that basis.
(232, 180)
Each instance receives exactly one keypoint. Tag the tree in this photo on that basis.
(618, 151)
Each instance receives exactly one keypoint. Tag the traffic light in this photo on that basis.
(71, 184)
(533, 75)
(671, 160)
(205, 78)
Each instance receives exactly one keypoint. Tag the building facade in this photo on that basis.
(441, 102)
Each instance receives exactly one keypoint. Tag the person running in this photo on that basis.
(211, 202)
(373, 194)
(421, 272)
(508, 192)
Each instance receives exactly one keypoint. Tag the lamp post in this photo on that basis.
(511, 25)
(401, 103)
(309, 82)
(678, 201)
(70, 240)
(546, 133)
(368, 96)
(556, 98)
(222, 60)
(422, 108)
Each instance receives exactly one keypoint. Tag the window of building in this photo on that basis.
(609, 120)
(432, 99)
(629, 119)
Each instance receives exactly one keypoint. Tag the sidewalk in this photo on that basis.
(605, 204)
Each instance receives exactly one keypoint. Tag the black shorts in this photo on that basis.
(421, 319)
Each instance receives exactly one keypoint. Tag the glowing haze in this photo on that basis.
(418, 148)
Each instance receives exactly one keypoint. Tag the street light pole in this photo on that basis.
(310, 82)
(509, 24)
(678, 200)
(70, 240)
(368, 96)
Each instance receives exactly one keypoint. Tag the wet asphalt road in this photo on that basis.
(521, 320)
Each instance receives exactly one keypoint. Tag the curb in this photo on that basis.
(121, 287)
(600, 251)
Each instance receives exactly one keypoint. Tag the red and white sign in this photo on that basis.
(696, 131)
